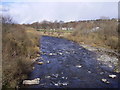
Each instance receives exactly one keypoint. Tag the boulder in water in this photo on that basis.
(112, 76)
(31, 82)
(40, 63)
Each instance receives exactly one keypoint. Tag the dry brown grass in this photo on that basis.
(106, 37)
(58, 34)
(19, 48)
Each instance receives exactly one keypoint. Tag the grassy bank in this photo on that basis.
(103, 33)
(19, 48)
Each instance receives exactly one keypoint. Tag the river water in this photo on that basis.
(67, 64)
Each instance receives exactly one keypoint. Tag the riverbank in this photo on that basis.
(108, 57)
(19, 49)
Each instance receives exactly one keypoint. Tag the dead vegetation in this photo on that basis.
(103, 33)
(19, 48)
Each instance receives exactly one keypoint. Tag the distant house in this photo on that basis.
(70, 28)
(53, 29)
(67, 28)
(64, 28)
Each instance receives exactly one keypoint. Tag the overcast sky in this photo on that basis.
(28, 12)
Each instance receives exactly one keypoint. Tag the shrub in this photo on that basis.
(17, 52)
(106, 36)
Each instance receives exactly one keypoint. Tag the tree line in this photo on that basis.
(58, 25)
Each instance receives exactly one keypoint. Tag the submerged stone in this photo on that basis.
(78, 66)
(47, 76)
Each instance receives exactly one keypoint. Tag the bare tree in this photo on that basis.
(7, 20)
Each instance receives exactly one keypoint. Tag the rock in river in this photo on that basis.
(105, 81)
(40, 63)
(31, 82)
(78, 66)
(112, 76)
